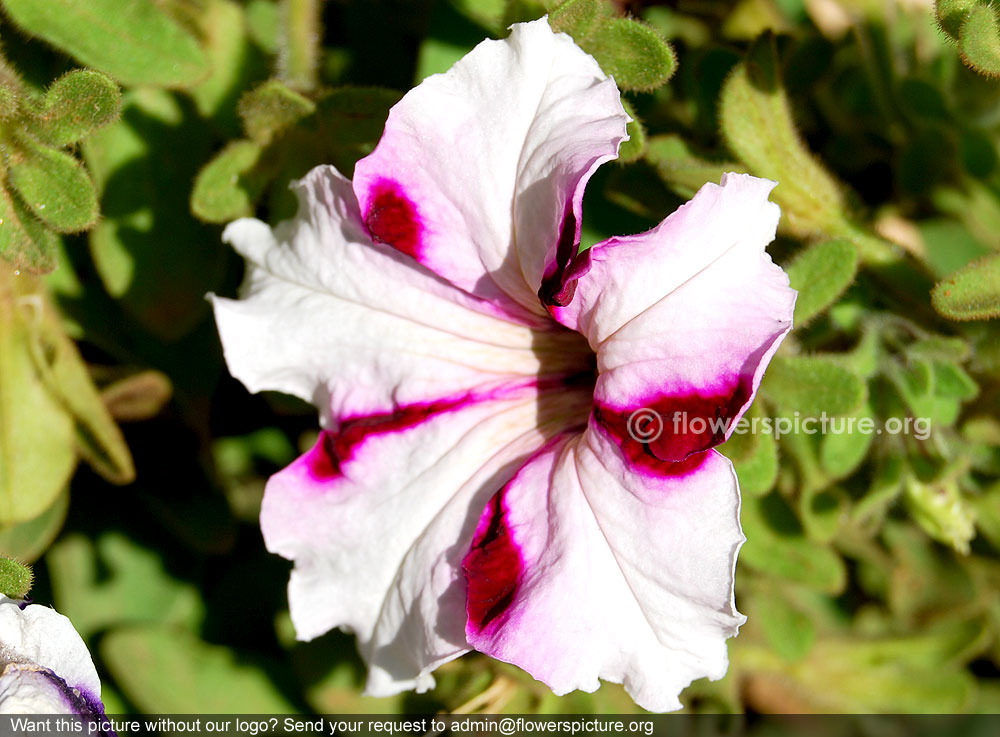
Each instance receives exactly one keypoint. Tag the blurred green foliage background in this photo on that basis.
(132, 130)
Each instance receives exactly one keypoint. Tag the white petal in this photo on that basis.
(482, 169)
(685, 319)
(357, 328)
(28, 689)
(583, 570)
(41, 636)
(631, 274)
(378, 516)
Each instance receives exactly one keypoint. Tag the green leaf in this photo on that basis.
(202, 678)
(951, 381)
(684, 171)
(759, 472)
(971, 293)
(789, 630)
(952, 13)
(345, 126)
(886, 486)
(580, 18)
(821, 273)
(438, 55)
(842, 453)
(925, 578)
(28, 540)
(803, 449)
(776, 546)
(757, 124)
(634, 54)
(262, 24)
(812, 385)
(223, 27)
(753, 452)
(822, 511)
(917, 384)
(242, 462)
(271, 108)
(487, 13)
(756, 121)
(745, 440)
(229, 186)
(59, 365)
(75, 105)
(24, 242)
(864, 359)
(152, 256)
(114, 580)
(37, 446)
(749, 18)
(843, 448)
(53, 185)
(979, 40)
(519, 11)
(135, 42)
(941, 347)
(987, 513)
(890, 675)
(974, 205)
(15, 578)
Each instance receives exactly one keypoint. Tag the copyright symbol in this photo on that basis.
(507, 726)
(645, 425)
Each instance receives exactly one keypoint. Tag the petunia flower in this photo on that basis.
(489, 475)
(45, 667)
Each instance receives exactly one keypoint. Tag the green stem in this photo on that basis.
(301, 34)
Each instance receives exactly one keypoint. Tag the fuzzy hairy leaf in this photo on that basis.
(204, 678)
(821, 273)
(979, 40)
(24, 241)
(631, 52)
(226, 189)
(812, 385)
(135, 42)
(77, 104)
(971, 293)
(53, 185)
(682, 169)
(37, 443)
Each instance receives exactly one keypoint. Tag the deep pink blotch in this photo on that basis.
(392, 218)
(688, 425)
(492, 567)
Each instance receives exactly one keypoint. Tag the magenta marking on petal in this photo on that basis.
(559, 283)
(324, 462)
(333, 448)
(668, 434)
(492, 567)
(392, 218)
